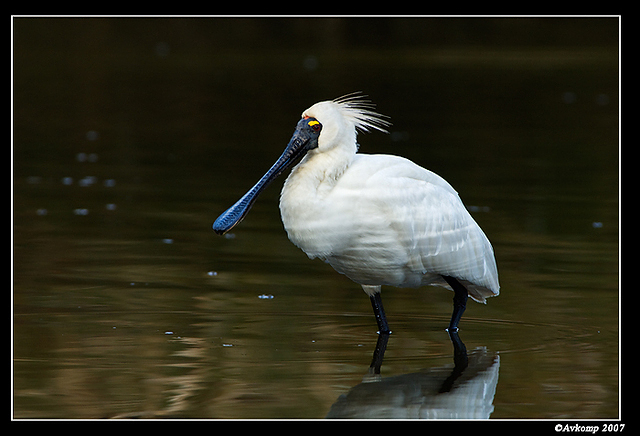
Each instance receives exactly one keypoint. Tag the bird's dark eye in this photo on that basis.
(315, 125)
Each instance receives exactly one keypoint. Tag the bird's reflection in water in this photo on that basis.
(464, 391)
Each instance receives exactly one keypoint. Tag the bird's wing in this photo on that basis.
(432, 222)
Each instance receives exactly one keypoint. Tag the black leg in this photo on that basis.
(378, 353)
(378, 311)
(459, 302)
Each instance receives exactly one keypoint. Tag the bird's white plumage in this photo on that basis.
(381, 219)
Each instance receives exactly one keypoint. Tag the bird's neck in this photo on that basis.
(322, 170)
(304, 198)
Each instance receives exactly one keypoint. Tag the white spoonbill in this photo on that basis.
(378, 219)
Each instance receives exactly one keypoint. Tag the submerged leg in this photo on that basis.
(460, 361)
(459, 302)
(378, 353)
(378, 311)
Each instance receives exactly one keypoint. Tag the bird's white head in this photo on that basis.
(327, 131)
(342, 118)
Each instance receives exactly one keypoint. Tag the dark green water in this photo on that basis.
(130, 136)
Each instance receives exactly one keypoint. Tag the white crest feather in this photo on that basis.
(359, 110)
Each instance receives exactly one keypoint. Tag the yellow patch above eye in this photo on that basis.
(313, 123)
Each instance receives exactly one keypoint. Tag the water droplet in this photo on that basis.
(92, 135)
(162, 49)
(310, 63)
(87, 181)
(602, 99)
(569, 97)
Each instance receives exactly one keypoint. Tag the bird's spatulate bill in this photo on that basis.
(298, 145)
